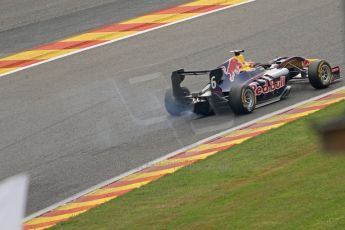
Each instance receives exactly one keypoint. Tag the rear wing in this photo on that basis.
(177, 77)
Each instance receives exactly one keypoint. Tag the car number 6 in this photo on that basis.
(213, 82)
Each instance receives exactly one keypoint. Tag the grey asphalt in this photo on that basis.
(77, 121)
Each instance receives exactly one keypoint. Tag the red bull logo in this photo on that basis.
(269, 87)
(234, 67)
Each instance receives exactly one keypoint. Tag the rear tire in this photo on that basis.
(320, 74)
(242, 100)
(174, 106)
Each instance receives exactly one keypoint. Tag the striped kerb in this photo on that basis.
(110, 33)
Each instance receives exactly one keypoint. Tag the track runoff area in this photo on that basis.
(170, 163)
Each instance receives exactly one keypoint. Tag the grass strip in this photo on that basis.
(279, 180)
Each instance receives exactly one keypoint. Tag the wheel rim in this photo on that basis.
(248, 99)
(325, 74)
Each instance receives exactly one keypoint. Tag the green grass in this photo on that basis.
(279, 180)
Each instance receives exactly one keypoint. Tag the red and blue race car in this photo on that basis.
(244, 85)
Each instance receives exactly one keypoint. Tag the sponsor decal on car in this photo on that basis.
(306, 63)
(234, 67)
(270, 86)
(336, 69)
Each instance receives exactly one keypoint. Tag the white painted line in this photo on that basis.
(144, 78)
(102, 184)
(123, 38)
(152, 121)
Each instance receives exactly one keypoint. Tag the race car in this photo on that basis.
(243, 85)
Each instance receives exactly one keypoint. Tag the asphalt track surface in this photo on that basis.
(77, 121)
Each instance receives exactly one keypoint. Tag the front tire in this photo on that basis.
(320, 74)
(242, 100)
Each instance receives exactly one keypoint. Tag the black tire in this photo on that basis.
(174, 106)
(242, 100)
(203, 108)
(320, 74)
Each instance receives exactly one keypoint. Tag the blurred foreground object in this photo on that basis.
(13, 196)
(333, 134)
